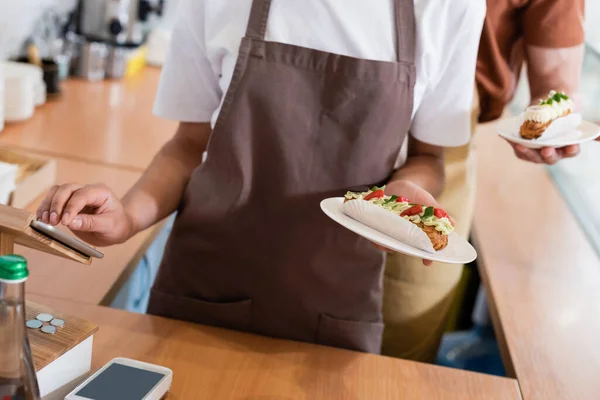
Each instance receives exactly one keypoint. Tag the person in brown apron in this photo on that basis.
(250, 248)
(261, 256)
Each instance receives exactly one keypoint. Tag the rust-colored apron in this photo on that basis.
(250, 248)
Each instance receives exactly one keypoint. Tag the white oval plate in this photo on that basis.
(458, 251)
(509, 128)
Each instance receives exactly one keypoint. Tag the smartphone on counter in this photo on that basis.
(65, 239)
(125, 379)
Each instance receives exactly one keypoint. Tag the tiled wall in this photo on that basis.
(18, 18)
(591, 23)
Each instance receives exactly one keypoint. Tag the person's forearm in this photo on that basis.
(158, 192)
(425, 171)
(555, 69)
(424, 166)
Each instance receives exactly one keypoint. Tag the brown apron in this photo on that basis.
(250, 248)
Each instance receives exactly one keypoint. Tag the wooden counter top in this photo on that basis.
(94, 284)
(541, 274)
(108, 122)
(211, 363)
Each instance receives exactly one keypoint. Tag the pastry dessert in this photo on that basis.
(539, 117)
(434, 222)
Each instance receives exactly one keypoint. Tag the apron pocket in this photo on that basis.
(232, 315)
(351, 335)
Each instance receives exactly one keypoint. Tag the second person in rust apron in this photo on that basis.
(251, 249)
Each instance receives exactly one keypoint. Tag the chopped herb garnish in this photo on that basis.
(391, 199)
(428, 212)
(549, 102)
(556, 98)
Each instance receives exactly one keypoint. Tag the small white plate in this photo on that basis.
(458, 251)
(509, 128)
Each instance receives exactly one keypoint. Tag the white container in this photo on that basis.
(12, 67)
(62, 375)
(19, 98)
(36, 73)
(1, 97)
(39, 92)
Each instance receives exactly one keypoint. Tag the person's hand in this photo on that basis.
(416, 194)
(546, 155)
(92, 212)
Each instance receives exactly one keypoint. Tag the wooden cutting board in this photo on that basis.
(47, 348)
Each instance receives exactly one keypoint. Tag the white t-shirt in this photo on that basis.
(205, 41)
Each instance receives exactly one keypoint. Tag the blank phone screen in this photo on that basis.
(121, 382)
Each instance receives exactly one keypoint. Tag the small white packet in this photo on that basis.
(558, 127)
(562, 125)
(389, 223)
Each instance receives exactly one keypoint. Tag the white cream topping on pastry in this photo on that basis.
(555, 106)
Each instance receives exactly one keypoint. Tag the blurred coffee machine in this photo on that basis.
(103, 36)
(117, 21)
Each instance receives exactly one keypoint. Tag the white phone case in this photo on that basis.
(157, 393)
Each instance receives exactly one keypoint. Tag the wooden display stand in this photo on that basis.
(61, 359)
(15, 229)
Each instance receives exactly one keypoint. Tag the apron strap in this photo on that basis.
(259, 14)
(406, 31)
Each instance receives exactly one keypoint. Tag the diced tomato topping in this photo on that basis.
(402, 200)
(438, 212)
(378, 194)
(414, 210)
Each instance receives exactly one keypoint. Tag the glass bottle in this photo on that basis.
(18, 380)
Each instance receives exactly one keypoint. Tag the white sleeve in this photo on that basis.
(444, 115)
(189, 86)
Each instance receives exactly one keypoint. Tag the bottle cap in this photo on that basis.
(13, 268)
